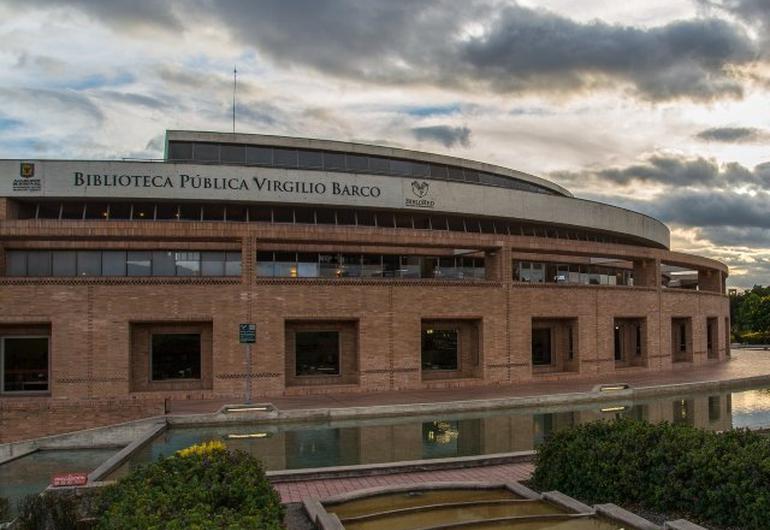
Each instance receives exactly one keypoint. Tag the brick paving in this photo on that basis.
(323, 488)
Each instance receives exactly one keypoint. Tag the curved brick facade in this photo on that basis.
(100, 327)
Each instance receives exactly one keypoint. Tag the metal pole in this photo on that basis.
(248, 374)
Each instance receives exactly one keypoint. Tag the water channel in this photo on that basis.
(394, 439)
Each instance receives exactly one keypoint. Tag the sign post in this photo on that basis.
(247, 335)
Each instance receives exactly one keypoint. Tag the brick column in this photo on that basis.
(710, 280)
(497, 262)
(646, 272)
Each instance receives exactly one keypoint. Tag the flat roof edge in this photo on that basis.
(357, 147)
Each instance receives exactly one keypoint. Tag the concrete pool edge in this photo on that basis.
(404, 466)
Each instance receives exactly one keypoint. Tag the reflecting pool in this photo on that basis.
(32, 473)
(372, 441)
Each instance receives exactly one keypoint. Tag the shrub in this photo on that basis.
(755, 337)
(40, 511)
(200, 487)
(718, 478)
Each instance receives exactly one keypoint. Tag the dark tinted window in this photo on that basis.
(439, 349)
(285, 157)
(379, 165)
(310, 159)
(233, 154)
(357, 162)
(206, 153)
(317, 352)
(25, 364)
(334, 161)
(176, 356)
(180, 151)
(260, 156)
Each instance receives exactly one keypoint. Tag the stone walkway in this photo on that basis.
(323, 488)
(744, 364)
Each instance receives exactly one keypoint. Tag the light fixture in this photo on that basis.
(612, 388)
(249, 435)
(259, 408)
(613, 409)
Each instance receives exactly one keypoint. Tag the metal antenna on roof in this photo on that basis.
(235, 84)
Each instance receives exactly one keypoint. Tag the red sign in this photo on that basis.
(69, 479)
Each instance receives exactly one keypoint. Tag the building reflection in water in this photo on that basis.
(287, 447)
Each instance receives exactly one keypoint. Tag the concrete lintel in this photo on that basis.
(121, 456)
(567, 502)
(620, 515)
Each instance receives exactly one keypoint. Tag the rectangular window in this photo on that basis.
(163, 263)
(571, 345)
(310, 159)
(89, 263)
(175, 356)
(334, 161)
(317, 352)
(440, 349)
(682, 337)
(638, 340)
(212, 263)
(259, 156)
(64, 263)
(307, 265)
(265, 265)
(356, 162)
(206, 153)
(233, 154)
(180, 151)
(24, 364)
(187, 263)
(541, 346)
(285, 157)
(39, 263)
(138, 263)
(16, 263)
(113, 262)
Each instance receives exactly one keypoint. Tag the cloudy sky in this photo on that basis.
(662, 106)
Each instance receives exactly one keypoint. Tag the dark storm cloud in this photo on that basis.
(737, 236)
(671, 171)
(732, 134)
(444, 134)
(117, 13)
(517, 49)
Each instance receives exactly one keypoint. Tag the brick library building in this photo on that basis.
(354, 268)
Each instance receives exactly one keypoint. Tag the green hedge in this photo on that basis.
(716, 478)
(199, 488)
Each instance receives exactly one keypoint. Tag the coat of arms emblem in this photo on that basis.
(420, 189)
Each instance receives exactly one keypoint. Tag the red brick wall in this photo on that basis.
(90, 317)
